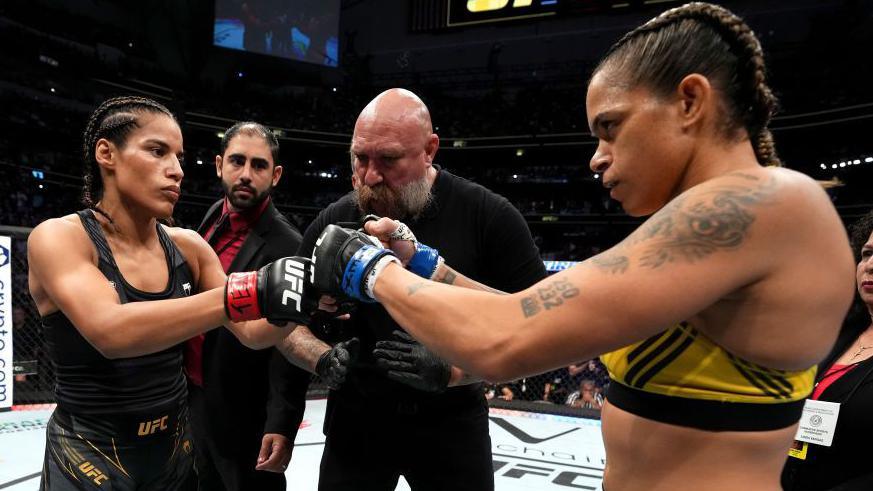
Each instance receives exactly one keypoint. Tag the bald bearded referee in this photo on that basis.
(402, 409)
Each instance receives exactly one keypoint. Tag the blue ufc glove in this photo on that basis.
(346, 263)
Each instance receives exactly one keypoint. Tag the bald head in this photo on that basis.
(392, 151)
(397, 107)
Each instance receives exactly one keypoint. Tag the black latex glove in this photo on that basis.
(407, 361)
(333, 366)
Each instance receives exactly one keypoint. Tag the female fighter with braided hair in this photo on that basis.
(118, 293)
(713, 314)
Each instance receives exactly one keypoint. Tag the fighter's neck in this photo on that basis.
(128, 224)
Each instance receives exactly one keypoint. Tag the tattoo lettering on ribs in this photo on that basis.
(548, 297)
(692, 227)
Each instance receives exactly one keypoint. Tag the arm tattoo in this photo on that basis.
(548, 297)
(302, 348)
(611, 261)
(693, 226)
(449, 277)
(411, 289)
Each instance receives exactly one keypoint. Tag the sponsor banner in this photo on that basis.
(531, 451)
(6, 377)
(472, 12)
(545, 451)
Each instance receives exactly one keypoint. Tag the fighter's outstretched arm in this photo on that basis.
(703, 246)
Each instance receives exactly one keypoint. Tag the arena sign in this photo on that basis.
(5, 323)
(465, 12)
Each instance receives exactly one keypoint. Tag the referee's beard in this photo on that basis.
(407, 202)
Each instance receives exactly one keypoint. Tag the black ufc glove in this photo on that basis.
(409, 362)
(333, 365)
(280, 291)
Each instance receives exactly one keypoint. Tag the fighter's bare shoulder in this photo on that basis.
(193, 246)
(66, 233)
(762, 192)
(185, 237)
(761, 207)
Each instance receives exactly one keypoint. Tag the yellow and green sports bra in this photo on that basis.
(682, 377)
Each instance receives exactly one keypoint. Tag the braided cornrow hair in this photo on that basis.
(112, 120)
(712, 41)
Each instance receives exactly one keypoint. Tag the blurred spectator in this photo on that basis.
(845, 377)
(588, 396)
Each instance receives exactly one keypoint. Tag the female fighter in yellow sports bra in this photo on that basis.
(682, 377)
(730, 258)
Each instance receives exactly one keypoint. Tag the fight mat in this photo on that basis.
(532, 451)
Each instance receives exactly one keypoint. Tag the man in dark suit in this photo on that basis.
(246, 405)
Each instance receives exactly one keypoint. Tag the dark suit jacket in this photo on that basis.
(250, 392)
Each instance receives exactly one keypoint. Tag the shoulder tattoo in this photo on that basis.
(693, 226)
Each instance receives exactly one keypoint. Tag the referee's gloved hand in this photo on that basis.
(407, 361)
(333, 365)
(281, 291)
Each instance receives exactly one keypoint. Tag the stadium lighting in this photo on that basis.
(199, 161)
(519, 152)
(52, 90)
(333, 89)
(220, 134)
(597, 176)
(515, 176)
(310, 161)
(847, 163)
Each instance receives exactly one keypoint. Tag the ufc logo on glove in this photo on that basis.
(293, 276)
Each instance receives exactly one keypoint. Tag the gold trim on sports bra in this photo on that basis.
(683, 367)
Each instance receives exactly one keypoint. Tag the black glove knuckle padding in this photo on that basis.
(285, 293)
(333, 366)
(333, 250)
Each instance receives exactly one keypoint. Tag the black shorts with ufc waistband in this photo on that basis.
(145, 451)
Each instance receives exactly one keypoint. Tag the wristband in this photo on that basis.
(374, 273)
(360, 265)
(241, 297)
